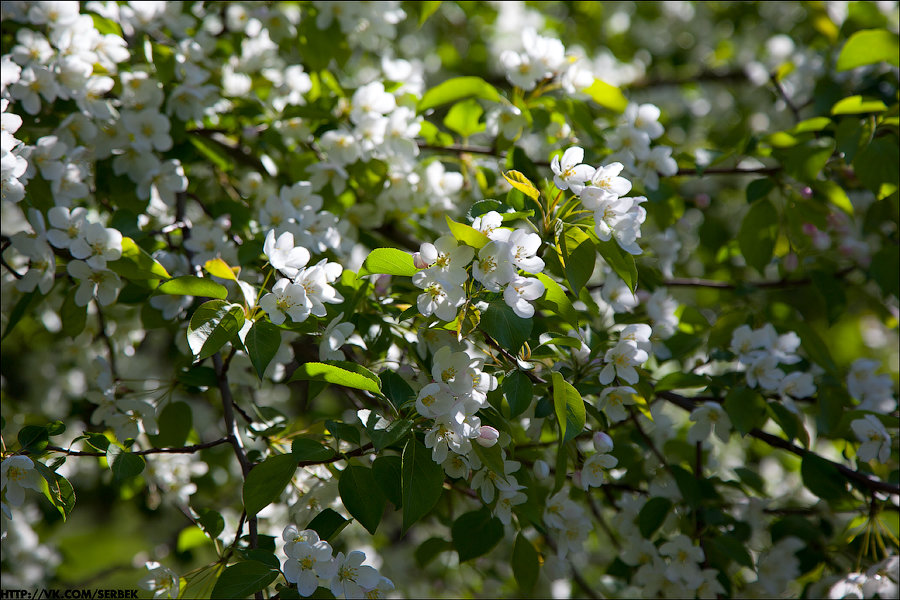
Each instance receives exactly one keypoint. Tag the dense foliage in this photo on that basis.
(451, 298)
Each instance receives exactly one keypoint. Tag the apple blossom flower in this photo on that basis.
(569, 172)
(876, 441)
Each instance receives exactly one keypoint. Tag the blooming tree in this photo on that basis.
(417, 299)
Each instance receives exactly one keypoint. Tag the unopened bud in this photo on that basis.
(806, 192)
(487, 436)
(382, 284)
(810, 229)
(541, 469)
(790, 262)
(418, 261)
(702, 201)
(602, 442)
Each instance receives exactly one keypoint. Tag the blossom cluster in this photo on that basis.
(304, 290)
(443, 273)
(310, 564)
(615, 215)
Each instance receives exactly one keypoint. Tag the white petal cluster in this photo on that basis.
(876, 441)
(874, 392)
(760, 352)
(631, 142)
(458, 390)
(310, 565)
(442, 277)
(593, 469)
(543, 58)
(603, 192)
(17, 473)
(706, 417)
(306, 290)
(631, 351)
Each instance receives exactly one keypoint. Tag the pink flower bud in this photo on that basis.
(602, 442)
(821, 240)
(382, 284)
(790, 262)
(806, 192)
(487, 436)
(418, 261)
(702, 201)
(541, 469)
(810, 229)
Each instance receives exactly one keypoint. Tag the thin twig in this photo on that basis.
(174, 450)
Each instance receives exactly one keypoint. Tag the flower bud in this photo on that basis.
(602, 442)
(541, 469)
(806, 192)
(810, 229)
(790, 262)
(487, 436)
(382, 284)
(418, 261)
(702, 201)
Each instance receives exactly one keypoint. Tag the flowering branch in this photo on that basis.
(688, 404)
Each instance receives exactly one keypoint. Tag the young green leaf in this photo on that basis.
(422, 482)
(569, 407)
(266, 481)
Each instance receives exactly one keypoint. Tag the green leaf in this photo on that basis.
(463, 118)
(20, 309)
(790, 423)
(342, 431)
(57, 490)
(556, 299)
(620, 261)
(835, 194)
(396, 389)
(814, 346)
(388, 473)
(507, 328)
(569, 407)
(73, 317)
(759, 230)
(688, 485)
(219, 268)
(519, 392)
(211, 521)
(266, 481)
(731, 547)
(213, 324)
(422, 481)
(262, 343)
(475, 534)
(522, 183)
(805, 162)
(745, 408)
(607, 95)
(189, 285)
(492, 458)
(832, 292)
(136, 264)
(33, 438)
(855, 105)
(329, 373)
(876, 164)
(525, 563)
(680, 381)
(429, 549)
(868, 47)
(244, 579)
(822, 478)
(124, 464)
(759, 188)
(428, 8)
(751, 478)
(456, 89)
(175, 422)
(578, 254)
(885, 270)
(309, 450)
(328, 524)
(362, 496)
(652, 515)
(466, 234)
(388, 261)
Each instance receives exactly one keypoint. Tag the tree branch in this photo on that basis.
(174, 450)
(776, 442)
